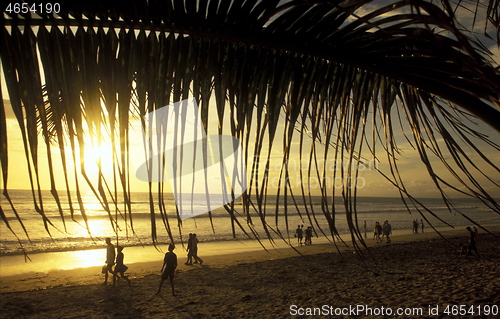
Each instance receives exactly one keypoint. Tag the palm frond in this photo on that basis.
(325, 67)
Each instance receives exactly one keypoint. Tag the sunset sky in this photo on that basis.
(371, 183)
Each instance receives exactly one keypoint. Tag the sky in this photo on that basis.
(371, 183)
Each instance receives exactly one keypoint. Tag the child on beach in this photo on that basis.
(110, 261)
(168, 268)
(120, 266)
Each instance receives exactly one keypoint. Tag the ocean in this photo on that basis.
(219, 228)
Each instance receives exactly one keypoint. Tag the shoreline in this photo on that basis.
(425, 277)
(53, 261)
(98, 243)
(214, 254)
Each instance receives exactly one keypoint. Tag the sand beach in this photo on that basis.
(415, 276)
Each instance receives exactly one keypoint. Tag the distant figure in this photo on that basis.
(472, 242)
(299, 234)
(110, 261)
(378, 232)
(387, 229)
(384, 229)
(415, 226)
(194, 250)
(189, 260)
(308, 233)
(364, 227)
(120, 267)
(168, 268)
(422, 225)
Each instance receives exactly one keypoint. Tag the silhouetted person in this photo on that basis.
(387, 229)
(299, 234)
(110, 261)
(472, 242)
(168, 268)
(120, 267)
(378, 231)
(189, 249)
(309, 233)
(194, 249)
(415, 226)
(364, 227)
(384, 230)
(422, 225)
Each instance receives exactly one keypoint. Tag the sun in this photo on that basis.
(97, 152)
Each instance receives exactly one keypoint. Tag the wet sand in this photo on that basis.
(415, 272)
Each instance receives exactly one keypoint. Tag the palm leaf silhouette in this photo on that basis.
(344, 78)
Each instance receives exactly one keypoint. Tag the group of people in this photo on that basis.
(192, 249)
(415, 226)
(300, 233)
(381, 231)
(120, 267)
(170, 260)
(167, 270)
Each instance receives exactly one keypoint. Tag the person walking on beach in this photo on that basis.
(299, 234)
(309, 234)
(120, 267)
(378, 232)
(387, 231)
(384, 230)
(422, 225)
(194, 250)
(472, 242)
(168, 268)
(189, 260)
(110, 261)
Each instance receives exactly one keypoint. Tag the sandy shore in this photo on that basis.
(414, 272)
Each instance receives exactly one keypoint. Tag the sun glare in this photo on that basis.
(86, 258)
(98, 154)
